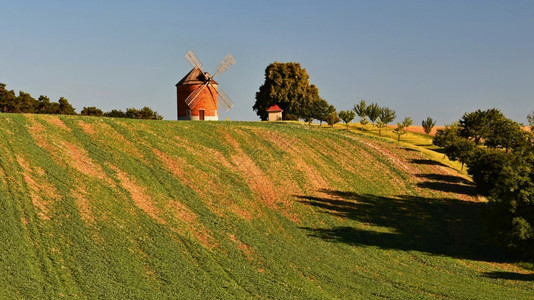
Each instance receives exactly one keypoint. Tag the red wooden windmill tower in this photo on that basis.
(197, 93)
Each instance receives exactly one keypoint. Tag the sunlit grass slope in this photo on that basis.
(110, 208)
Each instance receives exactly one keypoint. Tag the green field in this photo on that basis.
(114, 208)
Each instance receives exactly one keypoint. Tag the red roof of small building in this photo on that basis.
(274, 108)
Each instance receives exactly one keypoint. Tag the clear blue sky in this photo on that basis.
(421, 58)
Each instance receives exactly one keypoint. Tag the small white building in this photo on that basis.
(275, 113)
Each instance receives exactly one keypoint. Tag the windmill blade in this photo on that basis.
(193, 60)
(227, 102)
(226, 63)
(191, 98)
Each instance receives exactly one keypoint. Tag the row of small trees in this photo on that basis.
(499, 155)
(287, 85)
(381, 117)
(25, 103)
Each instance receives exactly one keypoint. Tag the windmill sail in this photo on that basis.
(226, 63)
(193, 60)
(226, 101)
(191, 98)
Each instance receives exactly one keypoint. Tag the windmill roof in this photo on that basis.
(195, 76)
(274, 108)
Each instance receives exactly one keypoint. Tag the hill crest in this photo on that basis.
(100, 207)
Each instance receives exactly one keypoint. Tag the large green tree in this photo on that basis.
(500, 157)
(288, 86)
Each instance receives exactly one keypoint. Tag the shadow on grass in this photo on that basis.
(441, 226)
(448, 187)
(446, 178)
(510, 276)
(447, 183)
(427, 162)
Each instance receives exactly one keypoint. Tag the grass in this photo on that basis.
(111, 208)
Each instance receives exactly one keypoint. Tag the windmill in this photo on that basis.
(197, 93)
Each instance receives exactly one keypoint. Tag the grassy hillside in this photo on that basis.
(109, 208)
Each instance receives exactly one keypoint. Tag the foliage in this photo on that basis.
(347, 116)
(287, 85)
(493, 129)
(373, 112)
(400, 130)
(92, 111)
(144, 113)
(364, 122)
(507, 179)
(115, 113)
(323, 111)
(500, 158)
(408, 121)
(530, 119)
(65, 108)
(454, 146)
(387, 115)
(361, 109)
(332, 118)
(25, 103)
(428, 124)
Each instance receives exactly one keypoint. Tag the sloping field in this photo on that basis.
(110, 208)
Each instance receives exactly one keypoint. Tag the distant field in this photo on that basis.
(119, 209)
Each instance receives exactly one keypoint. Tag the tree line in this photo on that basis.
(287, 85)
(499, 156)
(10, 102)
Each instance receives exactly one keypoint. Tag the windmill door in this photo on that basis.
(201, 115)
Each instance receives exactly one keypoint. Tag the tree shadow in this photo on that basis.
(447, 183)
(446, 178)
(427, 162)
(510, 276)
(441, 226)
(448, 187)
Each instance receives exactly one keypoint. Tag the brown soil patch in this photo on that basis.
(177, 166)
(247, 250)
(41, 192)
(109, 134)
(80, 160)
(86, 127)
(209, 155)
(80, 195)
(203, 184)
(139, 196)
(56, 121)
(260, 184)
(38, 132)
(188, 217)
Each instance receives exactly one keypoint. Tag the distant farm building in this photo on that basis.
(275, 113)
